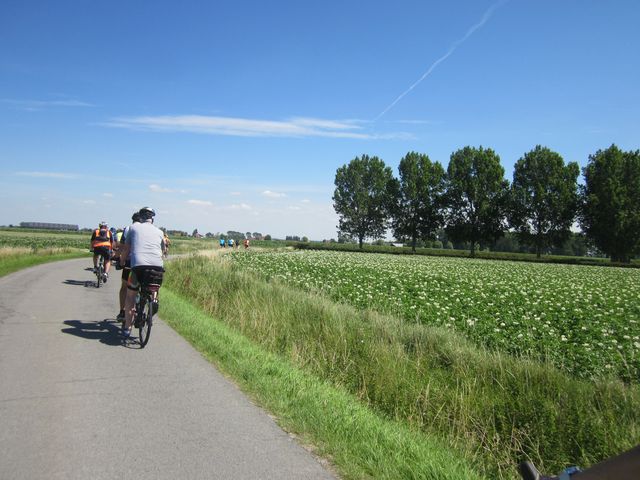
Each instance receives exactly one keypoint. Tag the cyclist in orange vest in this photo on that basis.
(102, 245)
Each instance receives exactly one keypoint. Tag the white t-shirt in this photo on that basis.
(146, 242)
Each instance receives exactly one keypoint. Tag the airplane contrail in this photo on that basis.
(483, 20)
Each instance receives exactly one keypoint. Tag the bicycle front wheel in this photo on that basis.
(144, 323)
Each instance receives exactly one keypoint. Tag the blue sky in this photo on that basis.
(236, 115)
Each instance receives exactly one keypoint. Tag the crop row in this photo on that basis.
(583, 319)
(39, 241)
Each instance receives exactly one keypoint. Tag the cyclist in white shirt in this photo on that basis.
(144, 243)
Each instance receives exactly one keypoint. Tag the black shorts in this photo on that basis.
(125, 273)
(104, 252)
(144, 276)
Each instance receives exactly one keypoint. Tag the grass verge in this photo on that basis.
(14, 259)
(497, 408)
(359, 443)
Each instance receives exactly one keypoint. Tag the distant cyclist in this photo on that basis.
(102, 245)
(167, 242)
(114, 236)
(144, 243)
(222, 244)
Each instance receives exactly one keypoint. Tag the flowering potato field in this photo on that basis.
(583, 319)
(40, 240)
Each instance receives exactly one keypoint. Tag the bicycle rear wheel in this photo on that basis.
(99, 273)
(144, 322)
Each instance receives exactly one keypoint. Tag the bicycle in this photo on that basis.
(146, 307)
(100, 271)
(529, 472)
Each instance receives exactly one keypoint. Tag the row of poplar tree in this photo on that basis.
(474, 203)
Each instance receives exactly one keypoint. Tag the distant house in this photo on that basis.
(49, 226)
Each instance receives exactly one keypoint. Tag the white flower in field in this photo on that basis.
(471, 322)
(563, 338)
(636, 344)
(496, 329)
(520, 335)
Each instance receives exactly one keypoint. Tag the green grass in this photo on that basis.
(14, 259)
(359, 443)
(39, 239)
(497, 408)
(191, 245)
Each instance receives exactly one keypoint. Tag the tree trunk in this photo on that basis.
(413, 244)
(620, 258)
(473, 248)
(360, 239)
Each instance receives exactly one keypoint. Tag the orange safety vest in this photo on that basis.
(99, 241)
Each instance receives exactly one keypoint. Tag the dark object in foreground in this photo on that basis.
(625, 466)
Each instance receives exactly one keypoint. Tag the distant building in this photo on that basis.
(49, 226)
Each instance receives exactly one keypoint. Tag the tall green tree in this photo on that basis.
(544, 199)
(476, 197)
(416, 207)
(611, 202)
(362, 198)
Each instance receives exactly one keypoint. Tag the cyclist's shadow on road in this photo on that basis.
(82, 283)
(105, 331)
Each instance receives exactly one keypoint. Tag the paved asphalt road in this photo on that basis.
(78, 403)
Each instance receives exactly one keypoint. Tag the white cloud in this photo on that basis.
(67, 176)
(240, 206)
(108, 195)
(33, 105)
(89, 202)
(157, 188)
(306, 200)
(246, 127)
(270, 194)
(418, 122)
(202, 203)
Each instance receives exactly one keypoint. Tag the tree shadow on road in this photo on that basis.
(106, 331)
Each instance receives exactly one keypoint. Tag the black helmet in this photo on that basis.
(146, 213)
(135, 217)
